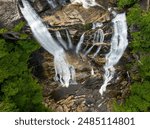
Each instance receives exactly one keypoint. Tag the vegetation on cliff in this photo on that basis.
(19, 91)
(139, 27)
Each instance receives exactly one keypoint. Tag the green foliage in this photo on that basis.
(139, 24)
(3, 30)
(19, 91)
(19, 26)
(87, 26)
(15, 55)
(140, 35)
(144, 67)
(7, 106)
(139, 100)
(124, 3)
(134, 15)
(3, 50)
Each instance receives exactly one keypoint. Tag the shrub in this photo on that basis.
(19, 91)
(139, 99)
(124, 3)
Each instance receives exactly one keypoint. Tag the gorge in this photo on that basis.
(82, 60)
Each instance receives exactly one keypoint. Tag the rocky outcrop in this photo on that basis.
(84, 96)
(73, 14)
(63, 15)
(9, 13)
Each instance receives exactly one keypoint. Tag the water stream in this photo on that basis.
(119, 43)
(63, 69)
(52, 3)
(65, 72)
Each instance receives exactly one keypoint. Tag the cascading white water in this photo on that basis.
(78, 47)
(63, 70)
(62, 42)
(52, 3)
(97, 24)
(69, 40)
(86, 3)
(119, 43)
(98, 38)
(40, 32)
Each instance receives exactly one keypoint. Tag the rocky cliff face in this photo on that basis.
(63, 15)
(9, 13)
(76, 19)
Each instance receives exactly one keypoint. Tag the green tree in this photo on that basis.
(139, 99)
(19, 91)
(124, 3)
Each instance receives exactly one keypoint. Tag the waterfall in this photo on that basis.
(39, 30)
(98, 38)
(64, 72)
(119, 43)
(78, 47)
(97, 24)
(86, 3)
(65, 45)
(69, 40)
(52, 3)
(63, 69)
(62, 42)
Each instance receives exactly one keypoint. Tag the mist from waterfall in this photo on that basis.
(64, 72)
(119, 43)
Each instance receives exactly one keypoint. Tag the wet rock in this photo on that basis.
(91, 110)
(35, 62)
(47, 91)
(92, 83)
(85, 95)
(71, 15)
(90, 102)
(40, 5)
(12, 36)
(64, 92)
(103, 108)
(145, 4)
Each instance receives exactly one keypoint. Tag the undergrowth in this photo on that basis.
(19, 91)
(139, 28)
